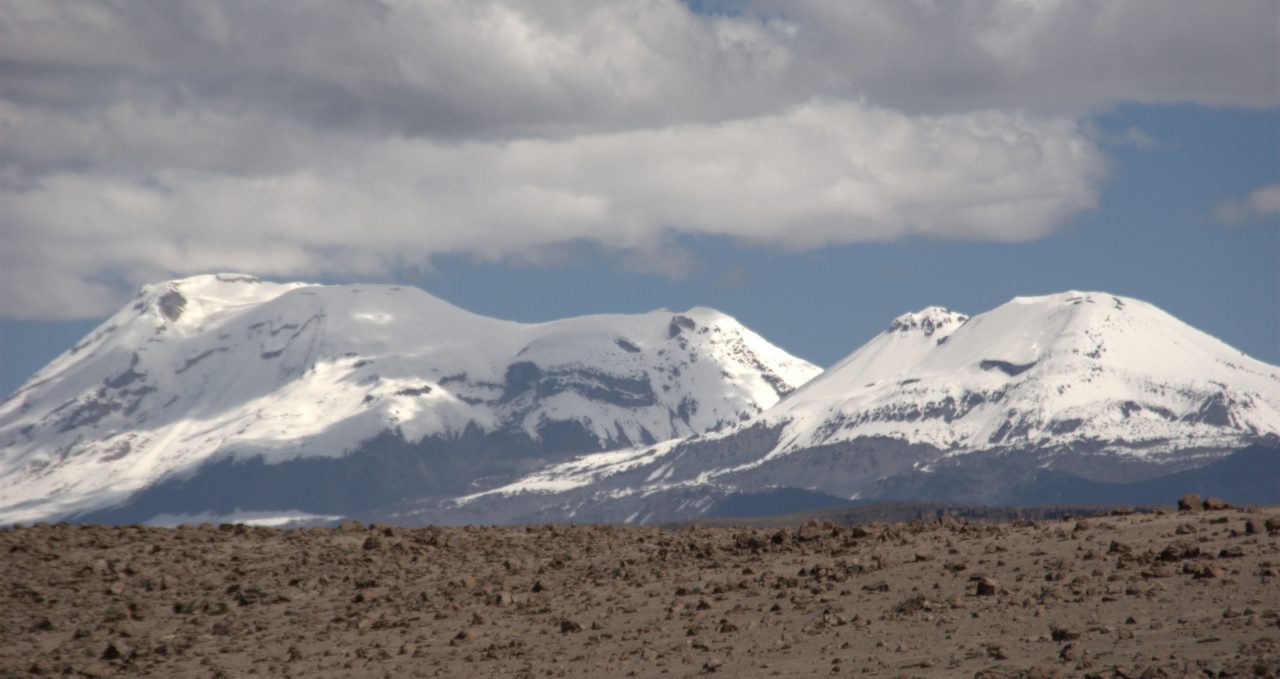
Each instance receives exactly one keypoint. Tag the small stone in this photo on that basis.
(567, 626)
(1202, 571)
(986, 586)
(1178, 551)
(350, 526)
(1214, 504)
(1252, 527)
(1189, 503)
(810, 531)
(1063, 634)
(1071, 652)
(372, 542)
(116, 651)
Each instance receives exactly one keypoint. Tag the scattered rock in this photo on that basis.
(1189, 503)
(985, 586)
(481, 601)
(1202, 570)
(1213, 504)
(1062, 634)
(1179, 550)
(117, 650)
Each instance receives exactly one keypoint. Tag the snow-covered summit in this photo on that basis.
(928, 321)
(1057, 369)
(227, 366)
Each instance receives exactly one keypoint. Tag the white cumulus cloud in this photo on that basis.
(140, 140)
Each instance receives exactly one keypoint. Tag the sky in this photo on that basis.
(813, 167)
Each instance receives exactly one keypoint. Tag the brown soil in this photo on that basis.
(1173, 595)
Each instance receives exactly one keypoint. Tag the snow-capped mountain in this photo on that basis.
(1098, 387)
(223, 392)
(1058, 370)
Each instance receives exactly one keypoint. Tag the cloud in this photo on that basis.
(140, 140)
(1262, 203)
(735, 277)
(816, 175)
(1138, 139)
(1058, 55)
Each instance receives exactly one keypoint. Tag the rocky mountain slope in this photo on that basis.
(224, 393)
(941, 406)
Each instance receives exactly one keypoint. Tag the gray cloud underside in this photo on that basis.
(145, 139)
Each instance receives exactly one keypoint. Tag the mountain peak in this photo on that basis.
(199, 283)
(200, 371)
(1051, 370)
(928, 321)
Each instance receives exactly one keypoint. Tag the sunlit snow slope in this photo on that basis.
(227, 366)
(1038, 372)
(1098, 386)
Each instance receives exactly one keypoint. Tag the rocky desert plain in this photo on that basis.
(1171, 593)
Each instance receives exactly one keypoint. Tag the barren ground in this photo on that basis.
(1178, 594)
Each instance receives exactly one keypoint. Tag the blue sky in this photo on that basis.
(1148, 179)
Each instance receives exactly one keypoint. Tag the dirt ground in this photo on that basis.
(1180, 594)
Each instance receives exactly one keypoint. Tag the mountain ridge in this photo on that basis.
(227, 394)
(227, 365)
(1107, 388)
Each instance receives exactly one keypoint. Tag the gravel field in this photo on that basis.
(1173, 594)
